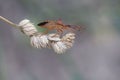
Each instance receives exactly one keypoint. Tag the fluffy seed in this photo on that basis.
(39, 41)
(68, 39)
(59, 47)
(27, 27)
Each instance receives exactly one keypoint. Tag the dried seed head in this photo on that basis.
(35, 41)
(68, 39)
(54, 37)
(59, 47)
(69, 36)
(24, 22)
(27, 27)
(68, 44)
(39, 41)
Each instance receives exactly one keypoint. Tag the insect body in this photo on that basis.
(58, 26)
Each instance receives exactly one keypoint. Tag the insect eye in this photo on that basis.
(42, 23)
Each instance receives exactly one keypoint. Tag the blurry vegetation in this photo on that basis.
(98, 16)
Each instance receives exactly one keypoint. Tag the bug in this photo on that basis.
(58, 25)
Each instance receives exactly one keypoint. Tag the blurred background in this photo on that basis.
(94, 56)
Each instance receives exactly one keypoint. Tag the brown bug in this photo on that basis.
(58, 25)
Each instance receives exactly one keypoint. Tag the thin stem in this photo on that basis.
(9, 22)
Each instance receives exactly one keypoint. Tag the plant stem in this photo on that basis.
(9, 22)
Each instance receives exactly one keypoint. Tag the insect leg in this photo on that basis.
(60, 32)
(71, 30)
